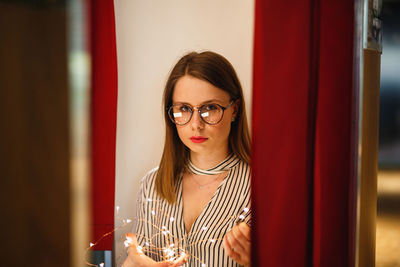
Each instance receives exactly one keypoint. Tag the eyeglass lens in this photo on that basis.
(210, 113)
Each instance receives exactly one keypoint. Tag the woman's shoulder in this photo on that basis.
(242, 167)
(147, 181)
(150, 174)
(242, 172)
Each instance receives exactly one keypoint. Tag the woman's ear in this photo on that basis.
(235, 106)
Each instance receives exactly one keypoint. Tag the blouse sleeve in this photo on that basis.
(143, 228)
(138, 226)
(245, 214)
(140, 217)
(247, 218)
(245, 207)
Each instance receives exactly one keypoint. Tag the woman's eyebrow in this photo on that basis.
(202, 103)
(211, 101)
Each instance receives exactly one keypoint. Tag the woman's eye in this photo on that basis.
(185, 108)
(210, 107)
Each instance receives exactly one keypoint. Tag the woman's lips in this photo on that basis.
(198, 139)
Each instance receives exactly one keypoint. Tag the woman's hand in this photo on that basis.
(237, 244)
(136, 258)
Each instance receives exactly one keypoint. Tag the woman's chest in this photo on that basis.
(194, 201)
(210, 216)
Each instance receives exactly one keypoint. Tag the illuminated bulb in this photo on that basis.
(128, 241)
(140, 249)
(164, 227)
(166, 232)
(172, 219)
(147, 244)
(153, 212)
(117, 208)
(241, 217)
(91, 244)
(183, 254)
(102, 264)
(169, 253)
(149, 200)
(203, 265)
(212, 240)
(246, 209)
(128, 220)
(172, 245)
(204, 228)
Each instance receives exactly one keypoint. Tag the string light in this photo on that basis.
(172, 250)
(128, 241)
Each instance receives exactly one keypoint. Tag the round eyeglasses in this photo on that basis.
(211, 113)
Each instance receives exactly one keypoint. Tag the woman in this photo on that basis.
(194, 210)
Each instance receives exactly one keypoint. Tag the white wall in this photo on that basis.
(151, 36)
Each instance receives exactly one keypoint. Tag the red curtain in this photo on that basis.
(302, 133)
(104, 114)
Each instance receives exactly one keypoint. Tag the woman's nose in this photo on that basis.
(196, 121)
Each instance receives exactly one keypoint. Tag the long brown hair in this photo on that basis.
(217, 70)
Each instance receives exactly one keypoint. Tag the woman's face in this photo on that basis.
(197, 135)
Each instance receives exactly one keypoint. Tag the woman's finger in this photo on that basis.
(234, 241)
(136, 258)
(133, 244)
(180, 261)
(229, 251)
(245, 230)
(237, 244)
(241, 238)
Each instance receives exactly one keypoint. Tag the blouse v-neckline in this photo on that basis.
(209, 203)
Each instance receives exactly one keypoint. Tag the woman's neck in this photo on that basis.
(207, 161)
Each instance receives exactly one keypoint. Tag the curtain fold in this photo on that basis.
(333, 218)
(104, 115)
(302, 127)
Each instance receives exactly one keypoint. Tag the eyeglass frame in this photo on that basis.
(198, 110)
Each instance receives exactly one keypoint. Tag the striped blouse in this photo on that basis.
(161, 231)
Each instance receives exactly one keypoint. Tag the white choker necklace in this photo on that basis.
(224, 166)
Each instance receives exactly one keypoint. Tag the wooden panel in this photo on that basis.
(369, 157)
(34, 153)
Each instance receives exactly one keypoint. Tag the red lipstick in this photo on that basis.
(198, 139)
